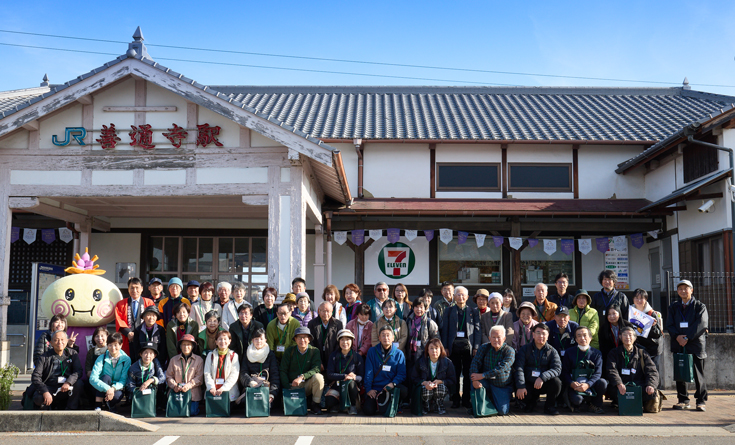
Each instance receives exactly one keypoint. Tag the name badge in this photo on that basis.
(280, 348)
(62, 380)
(386, 368)
(220, 381)
(684, 325)
(632, 371)
(626, 371)
(562, 352)
(146, 391)
(395, 345)
(418, 343)
(535, 373)
(603, 312)
(460, 334)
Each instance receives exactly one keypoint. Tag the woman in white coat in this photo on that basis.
(222, 368)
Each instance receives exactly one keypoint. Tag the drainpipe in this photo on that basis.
(328, 225)
(731, 189)
(358, 149)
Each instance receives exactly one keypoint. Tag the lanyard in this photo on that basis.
(349, 360)
(627, 358)
(302, 362)
(147, 372)
(541, 311)
(270, 314)
(185, 364)
(201, 312)
(283, 336)
(585, 355)
(63, 368)
(605, 301)
(464, 314)
(536, 356)
(526, 337)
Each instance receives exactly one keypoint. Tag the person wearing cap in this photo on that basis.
(523, 327)
(290, 301)
(150, 332)
(155, 290)
(435, 373)
(537, 368)
(207, 339)
(587, 387)
(385, 369)
(362, 328)
(324, 331)
(303, 312)
(609, 296)
(562, 297)
(56, 382)
(259, 365)
(496, 316)
(242, 330)
(382, 293)
(204, 305)
(280, 332)
(630, 364)
(192, 291)
(179, 326)
(128, 312)
(166, 305)
(582, 313)
(545, 309)
(230, 309)
(561, 331)
(390, 318)
(345, 367)
(462, 337)
(331, 296)
(300, 368)
(421, 329)
(222, 368)
(110, 373)
(146, 373)
(687, 321)
(492, 368)
(481, 298)
(610, 329)
(185, 372)
(266, 311)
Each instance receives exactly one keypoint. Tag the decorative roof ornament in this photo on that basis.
(686, 84)
(137, 47)
(85, 265)
(45, 82)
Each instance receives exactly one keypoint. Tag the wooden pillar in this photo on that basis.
(575, 170)
(515, 255)
(85, 231)
(360, 260)
(6, 218)
(274, 230)
(319, 276)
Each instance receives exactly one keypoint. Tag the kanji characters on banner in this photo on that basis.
(637, 240)
(340, 237)
(567, 246)
(429, 234)
(532, 242)
(14, 234)
(603, 244)
(358, 237)
(498, 241)
(48, 235)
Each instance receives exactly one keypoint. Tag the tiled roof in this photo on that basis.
(481, 113)
(9, 100)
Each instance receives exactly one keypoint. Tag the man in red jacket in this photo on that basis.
(128, 312)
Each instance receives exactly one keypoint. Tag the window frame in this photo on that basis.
(456, 282)
(540, 189)
(467, 189)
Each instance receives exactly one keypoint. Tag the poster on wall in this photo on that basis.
(404, 262)
(616, 259)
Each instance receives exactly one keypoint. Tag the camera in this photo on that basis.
(706, 207)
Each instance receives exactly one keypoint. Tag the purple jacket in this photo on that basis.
(305, 319)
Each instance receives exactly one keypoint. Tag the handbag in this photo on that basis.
(654, 404)
(417, 408)
(582, 375)
(178, 404)
(482, 406)
(388, 401)
(257, 402)
(631, 403)
(344, 396)
(684, 367)
(218, 406)
(294, 402)
(143, 403)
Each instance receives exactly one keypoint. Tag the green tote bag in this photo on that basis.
(218, 406)
(417, 408)
(344, 396)
(683, 367)
(482, 405)
(390, 409)
(257, 402)
(178, 404)
(631, 403)
(143, 403)
(294, 402)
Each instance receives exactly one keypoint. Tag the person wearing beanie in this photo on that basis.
(166, 305)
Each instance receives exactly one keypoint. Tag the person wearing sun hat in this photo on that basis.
(582, 313)
(186, 371)
(290, 300)
(523, 327)
(166, 305)
(345, 367)
(146, 372)
(300, 367)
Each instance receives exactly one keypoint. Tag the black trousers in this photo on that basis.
(461, 358)
(700, 394)
(551, 388)
(330, 401)
(62, 400)
(600, 387)
(371, 405)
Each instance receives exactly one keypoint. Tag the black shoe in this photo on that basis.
(595, 409)
(467, 404)
(529, 408)
(316, 410)
(456, 404)
(551, 411)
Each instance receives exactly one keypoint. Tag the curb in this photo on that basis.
(57, 421)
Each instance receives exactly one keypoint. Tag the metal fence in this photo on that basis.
(715, 290)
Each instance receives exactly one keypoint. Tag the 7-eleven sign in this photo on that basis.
(396, 260)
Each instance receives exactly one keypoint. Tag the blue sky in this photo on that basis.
(642, 40)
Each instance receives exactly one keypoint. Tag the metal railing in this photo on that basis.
(715, 290)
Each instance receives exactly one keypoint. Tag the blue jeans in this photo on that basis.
(501, 396)
(118, 394)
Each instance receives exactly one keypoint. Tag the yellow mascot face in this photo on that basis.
(85, 300)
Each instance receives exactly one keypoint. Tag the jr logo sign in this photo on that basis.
(396, 260)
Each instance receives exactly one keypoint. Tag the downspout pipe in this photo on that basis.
(358, 149)
(731, 190)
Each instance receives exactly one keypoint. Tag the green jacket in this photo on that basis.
(294, 364)
(590, 319)
(171, 342)
(275, 337)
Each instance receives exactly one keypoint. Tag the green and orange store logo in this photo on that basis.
(396, 260)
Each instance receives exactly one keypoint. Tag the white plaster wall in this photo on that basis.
(660, 182)
(675, 253)
(160, 121)
(183, 223)
(258, 140)
(692, 223)
(16, 140)
(309, 266)
(121, 95)
(343, 265)
(397, 170)
(114, 248)
(638, 267)
(229, 134)
(56, 125)
(597, 177)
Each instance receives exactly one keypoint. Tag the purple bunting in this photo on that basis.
(603, 244)
(429, 234)
(498, 240)
(394, 235)
(567, 246)
(48, 235)
(532, 242)
(14, 234)
(462, 237)
(637, 240)
(358, 237)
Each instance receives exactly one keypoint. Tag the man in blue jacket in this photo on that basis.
(537, 369)
(385, 368)
(561, 331)
(581, 373)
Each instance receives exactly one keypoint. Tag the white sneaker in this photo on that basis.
(352, 411)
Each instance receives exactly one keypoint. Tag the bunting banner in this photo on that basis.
(394, 235)
(498, 241)
(462, 237)
(29, 235)
(411, 234)
(445, 235)
(340, 237)
(65, 235)
(376, 234)
(14, 234)
(603, 244)
(654, 234)
(429, 234)
(48, 235)
(532, 242)
(620, 242)
(585, 245)
(549, 246)
(358, 237)
(637, 240)
(515, 242)
(480, 239)
(567, 246)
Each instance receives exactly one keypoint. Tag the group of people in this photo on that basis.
(576, 349)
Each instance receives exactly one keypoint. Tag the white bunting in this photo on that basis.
(654, 234)
(549, 246)
(340, 237)
(515, 243)
(445, 235)
(376, 234)
(65, 234)
(480, 239)
(411, 234)
(620, 242)
(29, 235)
(585, 245)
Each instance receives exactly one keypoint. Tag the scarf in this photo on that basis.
(211, 344)
(415, 329)
(181, 329)
(100, 351)
(222, 352)
(257, 355)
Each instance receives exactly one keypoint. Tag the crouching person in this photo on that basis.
(435, 373)
(146, 373)
(345, 368)
(222, 368)
(582, 374)
(300, 367)
(110, 374)
(537, 369)
(185, 372)
(628, 364)
(385, 369)
(491, 367)
(56, 382)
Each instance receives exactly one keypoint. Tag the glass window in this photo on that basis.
(206, 253)
(468, 177)
(538, 267)
(545, 177)
(469, 264)
(242, 254)
(155, 262)
(225, 254)
(170, 254)
(190, 255)
(260, 247)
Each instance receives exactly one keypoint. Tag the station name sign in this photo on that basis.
(140, 136)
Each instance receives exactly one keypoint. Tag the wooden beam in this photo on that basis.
(432, 170)
(86, 100)
(31, 125)
(139, 109)
(504, 170)
(255, 200)
(34, 204)
(575, 170)
(515, 256)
